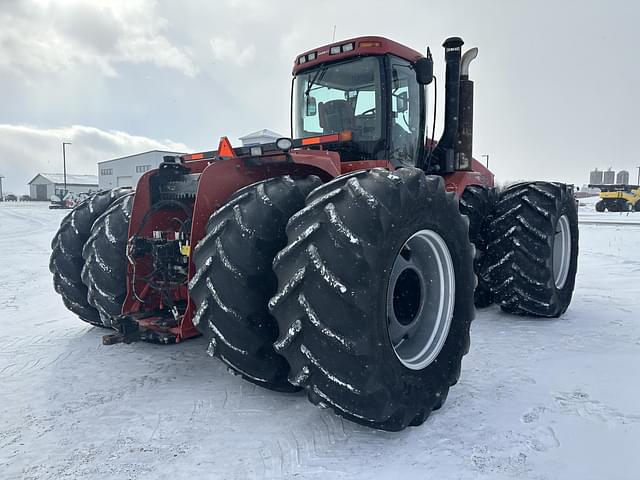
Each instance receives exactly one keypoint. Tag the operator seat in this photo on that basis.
(336, 116)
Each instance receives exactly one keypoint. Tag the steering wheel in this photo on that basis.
(371, 111)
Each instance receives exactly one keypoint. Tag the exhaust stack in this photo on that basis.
(444, 153)
(454, 149)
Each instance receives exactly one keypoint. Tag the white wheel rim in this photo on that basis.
(561, 251)
(420, 299)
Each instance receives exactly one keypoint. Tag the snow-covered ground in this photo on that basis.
(539, 399)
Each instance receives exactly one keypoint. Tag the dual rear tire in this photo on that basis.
(371, 299)
(88, 259)
(532, 249)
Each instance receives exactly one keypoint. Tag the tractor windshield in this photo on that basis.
(338, 97)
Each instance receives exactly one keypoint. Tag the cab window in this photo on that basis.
(405, 113)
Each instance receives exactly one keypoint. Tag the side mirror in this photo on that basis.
(424, 70)
(310, 108)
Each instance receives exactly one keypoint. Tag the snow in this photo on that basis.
(538, 399)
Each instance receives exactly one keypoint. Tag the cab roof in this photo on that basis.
(353, 47)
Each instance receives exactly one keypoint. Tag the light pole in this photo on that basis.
(1, 197)
(64, 166)
(638, 174)
(487, 158)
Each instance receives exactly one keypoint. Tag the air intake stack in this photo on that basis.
(464, 145)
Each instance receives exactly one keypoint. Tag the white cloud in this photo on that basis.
(227, 50)
(63, 35)
(28, 150)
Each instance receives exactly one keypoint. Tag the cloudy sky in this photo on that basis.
(556, 81)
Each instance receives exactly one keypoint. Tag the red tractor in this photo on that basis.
(343, 260)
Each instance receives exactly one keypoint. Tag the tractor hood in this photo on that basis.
(281, 152)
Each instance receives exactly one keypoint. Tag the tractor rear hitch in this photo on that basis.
(130, 330)
(119, 338)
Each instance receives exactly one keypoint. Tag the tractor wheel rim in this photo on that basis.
(561, 251)
(420, 299)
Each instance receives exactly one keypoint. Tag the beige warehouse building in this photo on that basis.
(45, 185)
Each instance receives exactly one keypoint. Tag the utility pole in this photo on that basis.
(64, 166)
(487, 159)
(1, 197)
(638, 174)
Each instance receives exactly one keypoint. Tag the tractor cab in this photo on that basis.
(370, 92)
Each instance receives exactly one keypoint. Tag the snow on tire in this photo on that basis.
(234, 280)
(353, 304)
(477, 203)
(532, 250)
(66, 260)
(105, 264)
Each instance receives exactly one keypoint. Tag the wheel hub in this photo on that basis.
(407, 295)
(561, 251)
(420, 299)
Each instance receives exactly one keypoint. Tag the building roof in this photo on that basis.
(72, 179)
(138, 154)
(265, 132)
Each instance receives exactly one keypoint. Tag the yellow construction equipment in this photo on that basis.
(618, 197)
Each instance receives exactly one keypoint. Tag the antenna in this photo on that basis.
(334, 34)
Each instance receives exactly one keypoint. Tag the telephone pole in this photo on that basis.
(487, 159)
(64, 166)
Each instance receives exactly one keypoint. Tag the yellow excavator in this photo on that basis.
(618, 197)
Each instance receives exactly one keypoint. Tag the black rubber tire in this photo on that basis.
(600, 206)
(331, 303)
(66, 260)
(477, 203)
(234, 280)
(105, 263)
(519, 261)
(613, 206)
(636, 207)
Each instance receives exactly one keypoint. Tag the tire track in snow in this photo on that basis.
(36, 225)
(579, 403)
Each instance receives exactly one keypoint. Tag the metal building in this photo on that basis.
(595, 177)
(126, 171)
(622, 177)
(45, 185)
(609, 177)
